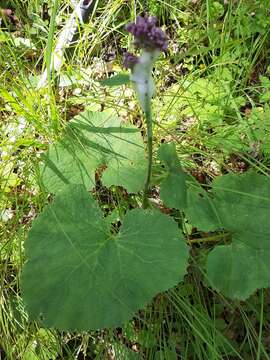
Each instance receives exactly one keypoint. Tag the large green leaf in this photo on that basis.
(200, 210)
(173, 187)
(240, 204)
(79, 275)
(237, 270)
(116, 80)
(181, 191)
(93, 140)
(243, 202)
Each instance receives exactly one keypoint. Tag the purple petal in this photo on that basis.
(129, 60)
(147, 35)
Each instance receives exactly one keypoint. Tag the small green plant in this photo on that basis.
(83, 272)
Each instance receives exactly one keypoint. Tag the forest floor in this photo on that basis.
(212, 100)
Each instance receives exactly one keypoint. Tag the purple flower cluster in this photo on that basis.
(130, 60)
(147, 35)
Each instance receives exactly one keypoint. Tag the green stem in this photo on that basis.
(148, 117)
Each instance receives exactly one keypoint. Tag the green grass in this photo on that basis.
(223, 49)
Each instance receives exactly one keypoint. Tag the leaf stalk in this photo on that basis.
(148, 117)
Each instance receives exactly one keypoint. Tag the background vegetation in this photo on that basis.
(213, 94)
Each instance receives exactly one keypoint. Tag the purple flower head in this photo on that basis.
(147, 35)
(130, 60)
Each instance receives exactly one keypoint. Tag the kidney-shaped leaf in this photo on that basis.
(79, 275)
(93, 140)
(239, 204)
(243, 204)
(237, 270)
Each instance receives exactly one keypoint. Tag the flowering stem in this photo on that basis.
(148, 117)
(151, 40)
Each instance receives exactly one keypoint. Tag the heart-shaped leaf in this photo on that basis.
(240, 204)
(93, 140)
(80, 275)
(243, 203)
